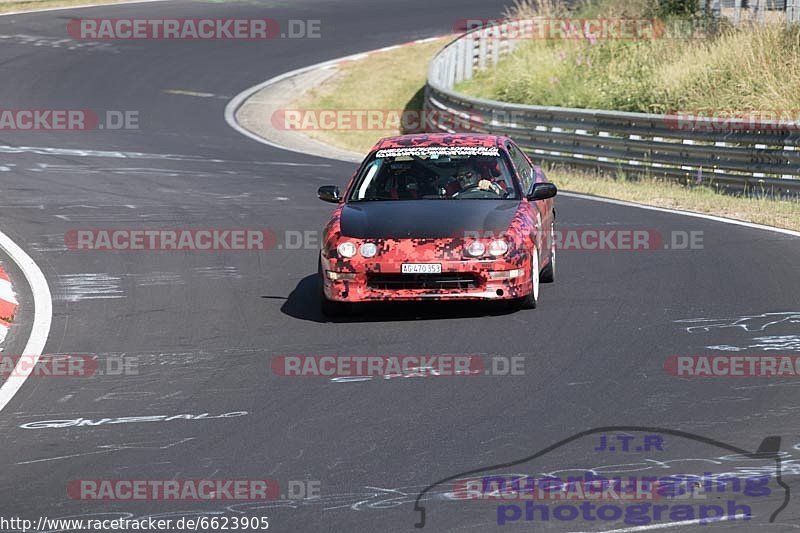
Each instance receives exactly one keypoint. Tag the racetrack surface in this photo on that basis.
(204, 326)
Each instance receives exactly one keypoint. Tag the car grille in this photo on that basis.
(448, 280)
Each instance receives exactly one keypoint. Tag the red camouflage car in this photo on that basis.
(439, 217)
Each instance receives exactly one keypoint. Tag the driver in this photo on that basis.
(466, 178)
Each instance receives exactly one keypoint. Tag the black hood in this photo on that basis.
(425, 219)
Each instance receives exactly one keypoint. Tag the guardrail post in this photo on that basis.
(716, 10)
(469, 56)
(482, 42)
(451, 70)
(495, 40)
(758, 12)
(459, 60)
(793, 11)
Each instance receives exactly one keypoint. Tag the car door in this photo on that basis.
(540, 211)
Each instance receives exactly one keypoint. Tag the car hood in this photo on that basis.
(425, 219)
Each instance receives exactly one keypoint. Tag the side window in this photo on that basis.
(524, 169)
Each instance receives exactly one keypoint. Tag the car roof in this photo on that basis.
(440, 139)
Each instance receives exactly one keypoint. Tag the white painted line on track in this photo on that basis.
(42, 318)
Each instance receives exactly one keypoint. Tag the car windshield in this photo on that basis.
(435, 173)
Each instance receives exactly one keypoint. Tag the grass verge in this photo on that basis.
(700, 199)
(386, 81)
(376, 82)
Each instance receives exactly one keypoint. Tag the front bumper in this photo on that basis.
(460, 280)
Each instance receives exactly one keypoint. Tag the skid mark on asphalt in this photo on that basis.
(195, 94)
(164, 214)
(98, 286)
(167, 216)
(108, 448)
(747, 323)
(104, 286)
(50, 42)
(124, 396)
(83, 170)
(217, 272)
(50, 242)
(74, 152)
(784, 343)
(155, 279)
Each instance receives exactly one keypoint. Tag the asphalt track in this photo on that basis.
(204, 326)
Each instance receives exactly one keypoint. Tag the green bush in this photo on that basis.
(679, 8)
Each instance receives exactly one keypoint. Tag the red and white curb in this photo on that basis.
(40, 325)
(8, 304)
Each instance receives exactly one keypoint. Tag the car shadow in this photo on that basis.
(414, 108)
(303, 303)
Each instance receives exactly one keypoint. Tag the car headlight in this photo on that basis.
(476, 249)
(346, 249)
(498, 247)
(368, 249)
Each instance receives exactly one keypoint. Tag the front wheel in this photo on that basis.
(548, 274)
(531, 300)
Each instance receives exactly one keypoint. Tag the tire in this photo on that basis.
(548, 274)
(531, 300)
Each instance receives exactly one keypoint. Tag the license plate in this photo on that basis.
(421, 268)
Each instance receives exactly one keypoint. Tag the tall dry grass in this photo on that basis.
(729, 69)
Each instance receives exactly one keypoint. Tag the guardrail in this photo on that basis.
(765, 157)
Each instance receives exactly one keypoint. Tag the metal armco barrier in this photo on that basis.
(738, 156)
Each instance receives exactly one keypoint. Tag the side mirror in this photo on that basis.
(329, 193)
(542, 191)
